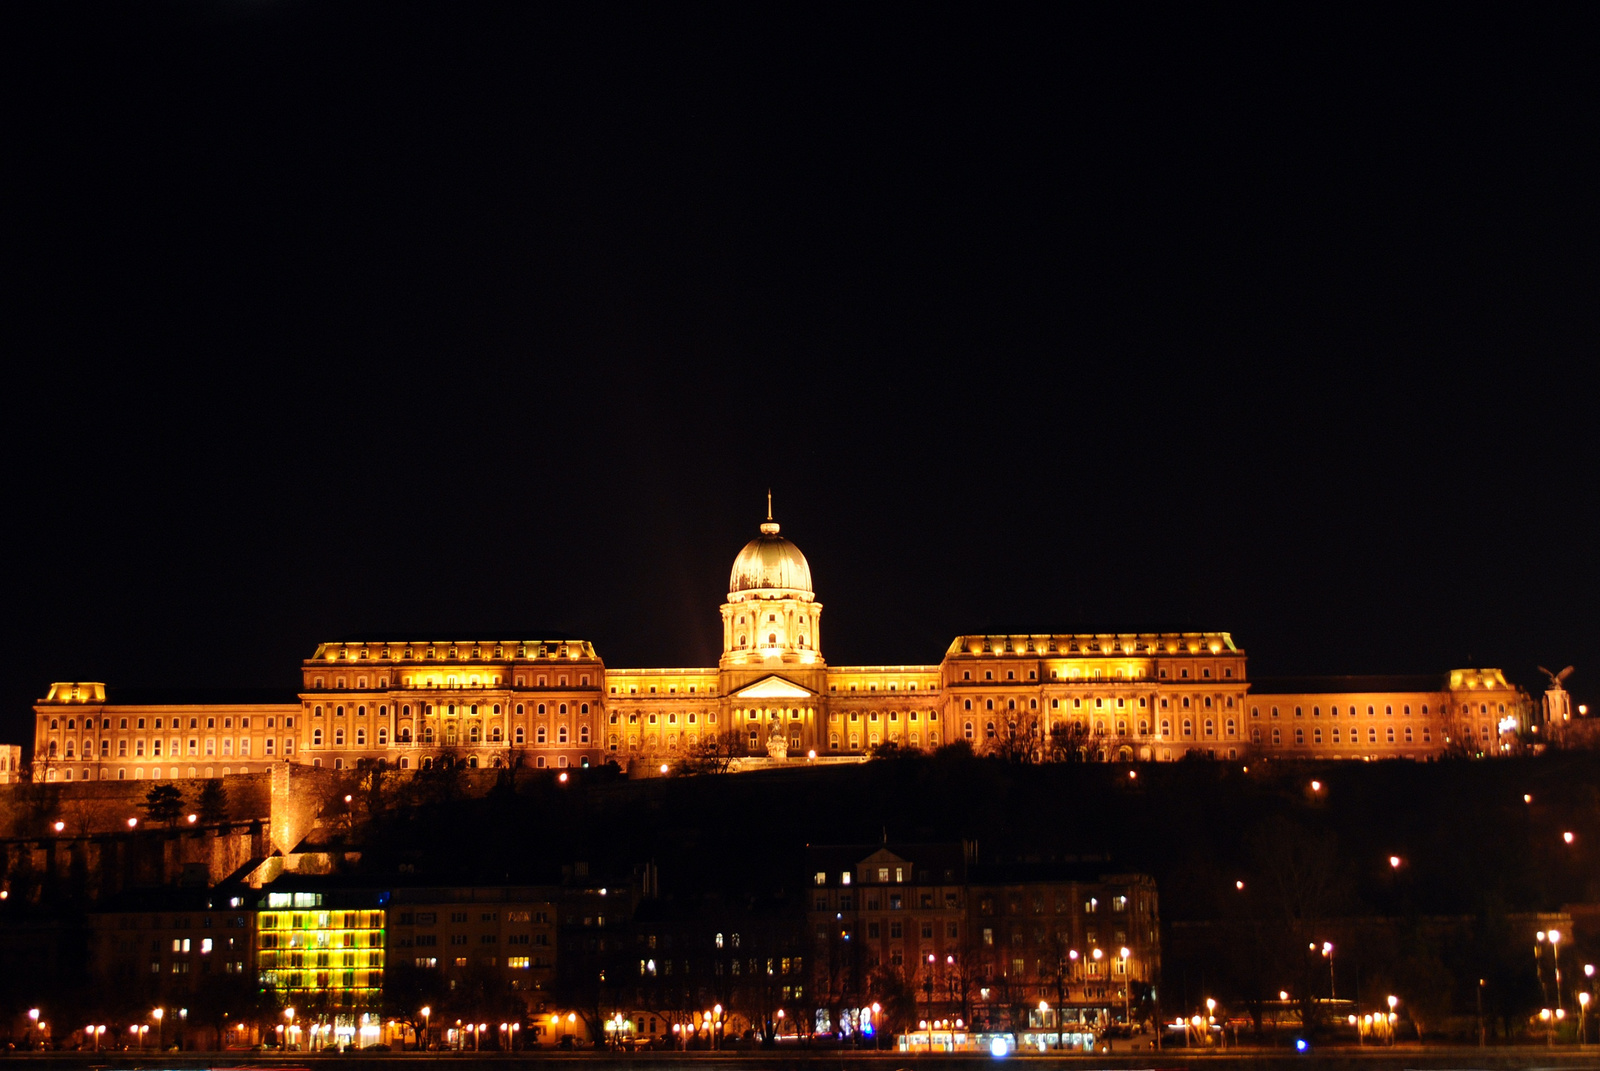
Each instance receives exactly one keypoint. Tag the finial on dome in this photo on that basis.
(770, 527)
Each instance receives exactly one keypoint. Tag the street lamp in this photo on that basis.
(1127, 988)
(1393, 1000)
(1554, 937)
(1327, 950)
(427, 1011)
(1583, 1015)
(158, 1014)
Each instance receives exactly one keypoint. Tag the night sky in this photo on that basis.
(383, 320)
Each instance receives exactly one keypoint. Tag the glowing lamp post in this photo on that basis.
(427, 1011)
(1583, 1018)
(158, 1014)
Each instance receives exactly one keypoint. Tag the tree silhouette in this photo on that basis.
(213, 802)
(163, 803)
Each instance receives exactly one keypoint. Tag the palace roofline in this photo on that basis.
(158, 696)
(1353, 683)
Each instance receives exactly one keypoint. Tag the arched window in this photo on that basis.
(1188, 727)
(561, 735)
(583, 734)
(1231, 727)
(316, 738)
(988, 730)
(1166, 727)
(383, 736)
(519, 735)
(338, 738)
(541, 708)
(521, 709)
(361, 738)
(562, 709)
(583, 708)
(967, 704)
(1210, 727)
(967, 730)
(539, 735)
(833, 741)
(1277, 738)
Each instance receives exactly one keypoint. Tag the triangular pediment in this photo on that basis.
(774, 687)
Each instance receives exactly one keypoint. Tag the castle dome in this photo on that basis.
(769, 561)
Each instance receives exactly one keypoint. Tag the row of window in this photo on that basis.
(1372, 710)
(1125, 673)
(474, 734)
(175, 748)
(432, 710)
(177, 723)
(451, 680)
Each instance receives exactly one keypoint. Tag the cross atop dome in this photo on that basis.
(771, 526)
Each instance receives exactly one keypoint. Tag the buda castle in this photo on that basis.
(772, 699)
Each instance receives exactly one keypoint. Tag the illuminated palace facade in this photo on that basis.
(771, 698)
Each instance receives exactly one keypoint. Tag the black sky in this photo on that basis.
(347, 320)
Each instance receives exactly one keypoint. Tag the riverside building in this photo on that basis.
(772, 698)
